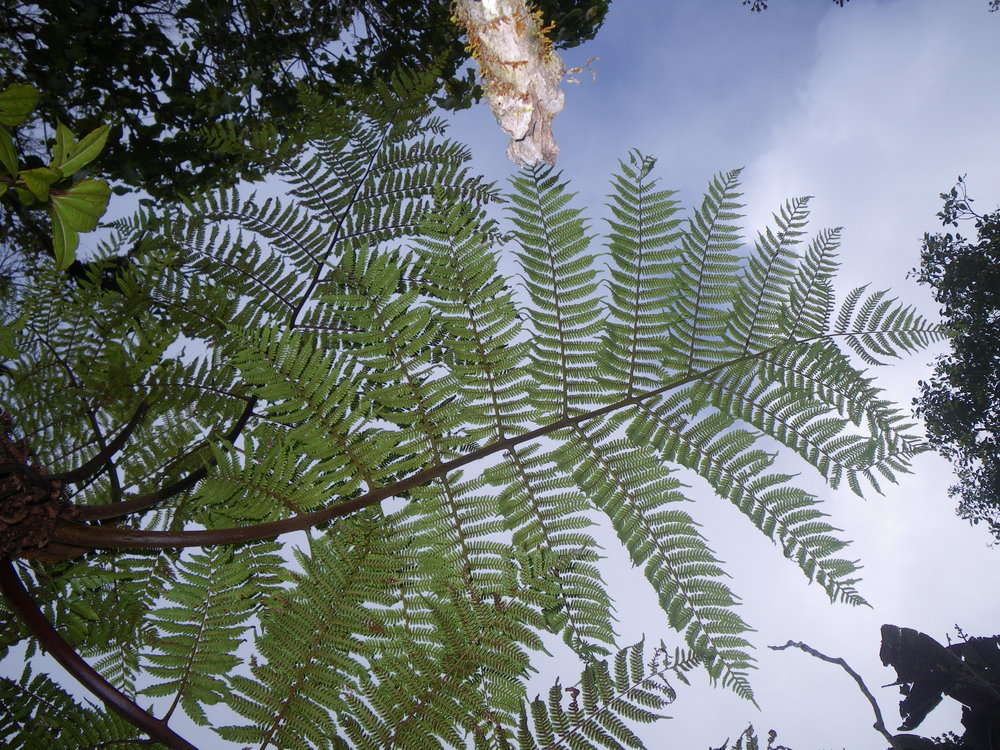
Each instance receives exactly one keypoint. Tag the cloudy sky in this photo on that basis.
(874, 109)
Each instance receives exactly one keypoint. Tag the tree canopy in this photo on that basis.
(162, 71)
(961, 402)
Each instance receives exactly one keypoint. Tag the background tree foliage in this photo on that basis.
(161, 72)
(961, 402)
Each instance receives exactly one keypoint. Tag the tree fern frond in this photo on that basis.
(757, 309)
(631, 488)
(630, 689)
(728, 460)
(810, 296)
(560, 282)
(202, 627)
(642, 232)
(37, 713)
(704, 279)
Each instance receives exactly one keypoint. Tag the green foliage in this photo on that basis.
(163, 72)
(74, 207)
(748, 740)
(302, 358)
(959, 403)
(38, 713)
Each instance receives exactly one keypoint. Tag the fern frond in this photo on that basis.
(202, 626)
(881, 329)
(757, 309)
(605, 697)
(626, 482)
(726, 457)
(38, 713)
(560, 281)
(642, 232)
(703, 289)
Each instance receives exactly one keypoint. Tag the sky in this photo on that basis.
(874, 109)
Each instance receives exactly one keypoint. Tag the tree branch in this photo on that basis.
(879, 724)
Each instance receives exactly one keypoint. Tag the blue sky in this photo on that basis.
(874, 109)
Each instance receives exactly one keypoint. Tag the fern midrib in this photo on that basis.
(278, 717)
(563, 363)
(220, 259)
(546, 535)
(640, 256)
(814, 280)
(104, 537)
(697, 300)
(758, 303)
(335, 237)
(189, 663)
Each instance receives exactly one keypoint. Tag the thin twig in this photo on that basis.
(879, 724)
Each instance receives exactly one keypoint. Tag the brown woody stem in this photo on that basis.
(26, 609)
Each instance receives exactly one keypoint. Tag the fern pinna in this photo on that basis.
(347, 361)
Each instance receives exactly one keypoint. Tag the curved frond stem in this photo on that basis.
(110, 537)
(93, 466)
(91, 416)
(27, 610)
(150, 500)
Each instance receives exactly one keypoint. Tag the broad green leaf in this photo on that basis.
(76, 210)
(25, 196)
(64, 240)
(8, 156)
(65, 140)
(3, 188)
(16, 103)
(39, 180)
(82, 205)
(82, 153)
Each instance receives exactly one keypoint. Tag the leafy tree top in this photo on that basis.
(358, 353)
(960, 403)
